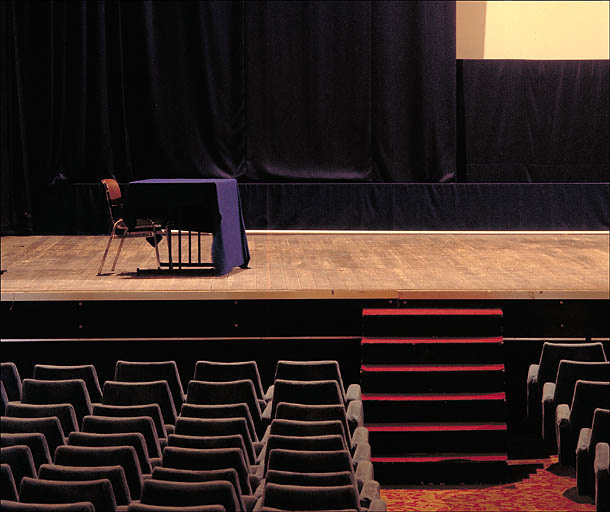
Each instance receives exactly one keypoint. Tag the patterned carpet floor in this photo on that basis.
(533, 485)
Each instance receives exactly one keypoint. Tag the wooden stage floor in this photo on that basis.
(327, 265)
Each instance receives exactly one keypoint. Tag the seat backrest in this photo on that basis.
(302, 412)
(214, 371)
(139, 507)
(217, 427)
(205, 442)
(304, 443)
(216, 458)
(553, 353)
(134, 439)
(115, 474)
(124, 456)
(7, 483)
(317, 479)
(310, 461)
(9, 374)
(282, 427)
(67, 391)
(588, 396)
(571, 371)
(296, 497)
(186, 475)
(141, 393)
(231, 392)
(3, 399)
(97, 492)
(86, 372)
(15, 506)
(140, 424)
(136, 371)
(34, 441)
(64, 413)
(221, 411)
(19, 458)
(153, 411)
(317, 392)
(50, 428)
(310, 370)
(600, 428)
(166, 493)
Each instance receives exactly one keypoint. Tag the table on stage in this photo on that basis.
(194, 205)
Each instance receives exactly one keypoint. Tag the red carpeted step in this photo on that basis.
(392, 323)
(439, 350)
(431, 378)
(393, 407)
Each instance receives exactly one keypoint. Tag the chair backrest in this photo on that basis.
(136, 371)
(140, 424)
(296, 497)
(115, 474)
(64, 413)
(15, 506)
(310, 461)
(553, 353)
(588, 396)
(97, 492)
(167, 493)
(153, 411)
(317, 392)
(87, 372)
(218, 427)
(113, 198)
(221, 411)
(282, 427)
(134, 439)
(124, 456)
(3, 399)
(11, 380)
(50, 428)
(7, 483)
(19, 458)
(205, 442)
(311, 479)
(67, 391)
(304, 443)
(571, 371)
(217, 458)
(310, 370)
(141, 393)
(139, 507)
(214, 371)
(34, 441)
(600, 428)
(230, 392)
(202, 475)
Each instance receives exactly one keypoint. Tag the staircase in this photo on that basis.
(433, 393)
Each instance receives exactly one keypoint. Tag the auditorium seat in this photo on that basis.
(124, 456)
(220, 427)
(585, 450)
(601, 467)
(315, 370)
(115, 474)
(8, 489)
(97, 492)
(50, 428)
(546, 370)
(221, 411)
(206, 442)
(67, 391)
(19, 458)
(152, 411)
(202, 475)
(133, 439)
(139, 507)
(588, 396)
(562, 390)
(137, 371)
(15, 506)
(3, 399)
(142, 393)
(181, 494)
(231, 392)
(214, 371)
(34, 441)
(63, 412)
(86, 372)
(138, 424)
(9, 374)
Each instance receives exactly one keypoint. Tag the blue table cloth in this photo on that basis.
(207, 205)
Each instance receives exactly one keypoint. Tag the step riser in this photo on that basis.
(450, 472)
(420, 353)
(389, 443)
(458, 326)
(429, 411)
(430, 382)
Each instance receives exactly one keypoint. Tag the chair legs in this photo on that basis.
(99, 271)
(116, 258)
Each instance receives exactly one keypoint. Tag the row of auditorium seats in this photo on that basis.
(568, 405)
(139, 442)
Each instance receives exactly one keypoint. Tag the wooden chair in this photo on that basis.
(144, 227)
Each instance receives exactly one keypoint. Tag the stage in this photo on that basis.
(322, 265)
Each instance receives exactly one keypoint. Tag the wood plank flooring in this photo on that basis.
(341, 265)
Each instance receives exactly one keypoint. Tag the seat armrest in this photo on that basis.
(378, 506)
(354, 392)
(584, 438)
(562, 432)
(254, 481)
(355, 415)
(602, 457)
(269, 393)
(562, 416)
(364, 471)
(548, 415)
(369, 493)
(267, 413)
(259, 505)
(548, 392)
(362, 453)
(250, 502)
(532, 373)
